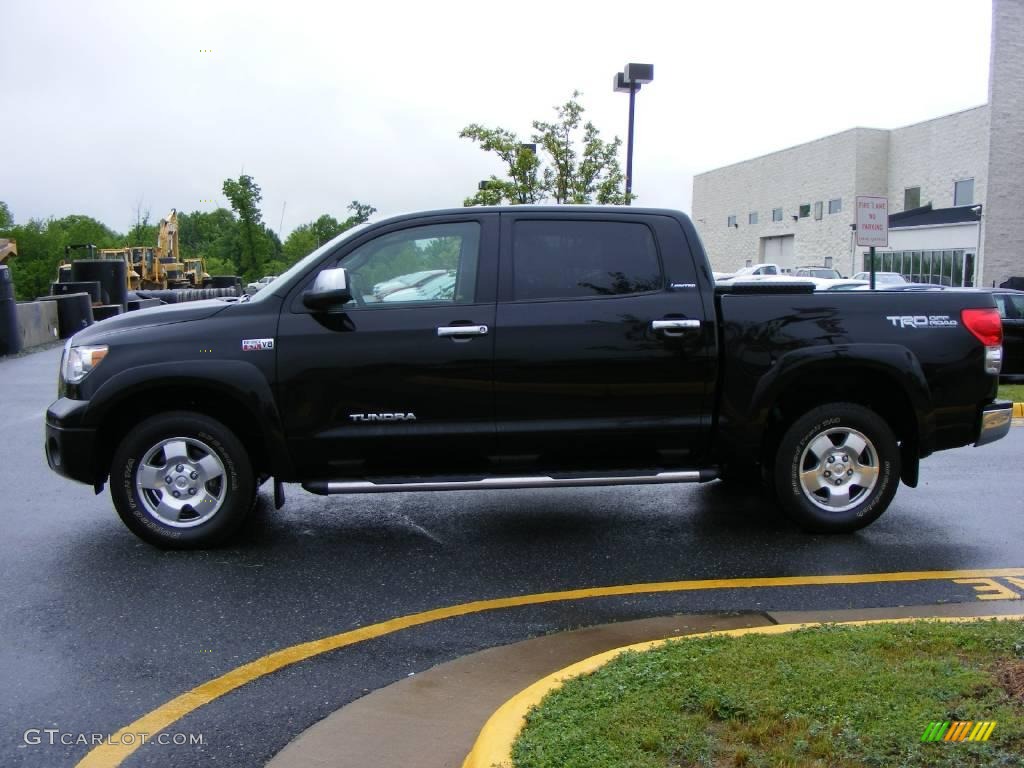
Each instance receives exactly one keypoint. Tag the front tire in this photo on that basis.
(182, 480)
(837, 468)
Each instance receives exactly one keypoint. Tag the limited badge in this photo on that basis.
(253, 345)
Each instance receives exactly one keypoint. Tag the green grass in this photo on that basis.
(1013, 392)
(829, 696)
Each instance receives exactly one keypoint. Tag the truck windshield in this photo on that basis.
(282, 284)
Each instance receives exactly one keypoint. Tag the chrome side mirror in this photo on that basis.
(330, 289)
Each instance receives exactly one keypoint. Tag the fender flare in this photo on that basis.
(242, 382)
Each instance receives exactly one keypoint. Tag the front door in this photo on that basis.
(390, 384)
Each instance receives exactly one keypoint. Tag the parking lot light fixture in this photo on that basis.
(632, 77)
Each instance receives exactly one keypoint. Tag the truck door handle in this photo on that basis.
(462, 330)
(675, 327)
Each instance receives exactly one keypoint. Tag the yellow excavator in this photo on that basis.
(8, 248)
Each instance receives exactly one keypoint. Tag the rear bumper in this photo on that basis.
(70, 450)
(995, 421)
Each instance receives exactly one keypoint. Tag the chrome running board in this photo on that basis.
(326, 488)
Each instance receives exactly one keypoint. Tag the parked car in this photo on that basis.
(756, 271)
(886, 278)
(581, 346)
(260, 284)
(380, 290)
(1011, 310)
(824, 273)
(437, 288)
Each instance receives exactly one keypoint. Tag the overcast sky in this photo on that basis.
(106, 103)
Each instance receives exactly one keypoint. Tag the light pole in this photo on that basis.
(629, 81)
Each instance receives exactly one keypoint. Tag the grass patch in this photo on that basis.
(1013, 392)
(828, 696)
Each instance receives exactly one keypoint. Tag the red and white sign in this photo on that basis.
(873, 221)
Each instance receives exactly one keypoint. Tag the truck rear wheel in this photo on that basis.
(837, 468)
(182, 480)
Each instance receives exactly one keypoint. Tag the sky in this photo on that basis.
(109, 104)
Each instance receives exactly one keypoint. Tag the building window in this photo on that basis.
(911, 198)
(963, 192)
(817, 211)
(835, 205)
(776, 214)
(805, 210)
(731, 221)
(954, 268)
(752, 217)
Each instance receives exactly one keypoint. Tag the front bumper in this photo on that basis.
(71, 448)
(995, 422)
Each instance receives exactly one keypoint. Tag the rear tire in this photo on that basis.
(182, 480)
(837, 468)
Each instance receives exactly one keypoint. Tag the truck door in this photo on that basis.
(603, 357)
(399, 380)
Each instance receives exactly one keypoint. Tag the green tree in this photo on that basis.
(581, 166)
(6, 218)
(306, 238)
(252, 245)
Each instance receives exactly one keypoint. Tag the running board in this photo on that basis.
(327, 488)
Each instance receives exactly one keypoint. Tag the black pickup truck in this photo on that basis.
(521, 347)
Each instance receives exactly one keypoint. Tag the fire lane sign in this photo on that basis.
(873, 221)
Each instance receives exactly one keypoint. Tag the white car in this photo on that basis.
(401, 282)
(882, 278)
(438, 288)
(757, 271)
(263, 282)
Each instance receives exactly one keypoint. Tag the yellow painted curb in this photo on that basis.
(114, 751)
(493, 746)
(1018, 410)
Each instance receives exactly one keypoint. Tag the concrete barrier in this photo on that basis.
(37, 323)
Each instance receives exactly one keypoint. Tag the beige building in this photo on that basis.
(956, 222)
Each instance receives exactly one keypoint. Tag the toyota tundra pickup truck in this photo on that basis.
(565, 346)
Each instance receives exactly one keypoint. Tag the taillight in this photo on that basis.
(987, 327)
(984, 324)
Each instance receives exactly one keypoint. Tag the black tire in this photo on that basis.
(231, 493)
(798, 468)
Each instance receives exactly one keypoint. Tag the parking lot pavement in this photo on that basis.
(101, 629)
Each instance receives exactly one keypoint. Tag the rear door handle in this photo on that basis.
(462, 330)
(675, 327)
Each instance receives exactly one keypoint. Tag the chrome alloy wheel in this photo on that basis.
(181, 482)
(838, 469)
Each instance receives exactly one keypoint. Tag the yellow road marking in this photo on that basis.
(990, 589)
(111, 753)
(493, 745)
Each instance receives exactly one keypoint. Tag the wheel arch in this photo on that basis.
(234, 393)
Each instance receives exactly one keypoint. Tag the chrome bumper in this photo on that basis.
(995, 421)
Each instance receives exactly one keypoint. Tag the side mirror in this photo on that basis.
(330, 289)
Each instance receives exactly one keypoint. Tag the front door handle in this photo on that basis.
(675, 327)
(462, 330)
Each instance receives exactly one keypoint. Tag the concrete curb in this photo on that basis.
(493, 746)
(1018, 410)
(433, 718)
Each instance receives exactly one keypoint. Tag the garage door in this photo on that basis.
(779, 250)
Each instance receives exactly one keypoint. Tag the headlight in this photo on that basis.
(79, 361)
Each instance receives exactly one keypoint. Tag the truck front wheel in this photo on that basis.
(837, 468)
(182, 480)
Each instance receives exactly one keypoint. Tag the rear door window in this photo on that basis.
(558, 259)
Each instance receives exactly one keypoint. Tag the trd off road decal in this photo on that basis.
(922, 321)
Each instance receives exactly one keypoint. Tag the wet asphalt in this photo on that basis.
(99, 628)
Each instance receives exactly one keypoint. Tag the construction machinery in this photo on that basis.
(195, 272)
(132, 274)
(8, 248)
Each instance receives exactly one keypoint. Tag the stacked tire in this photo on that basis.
(111, 275)
(74, 312)
(10, 339)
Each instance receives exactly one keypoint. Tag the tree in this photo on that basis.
(580, 169)
(306, 238)
(251, 241)
(142, 233)
(6, 218)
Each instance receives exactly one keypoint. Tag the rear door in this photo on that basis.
(399, 380)
(602, 356)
